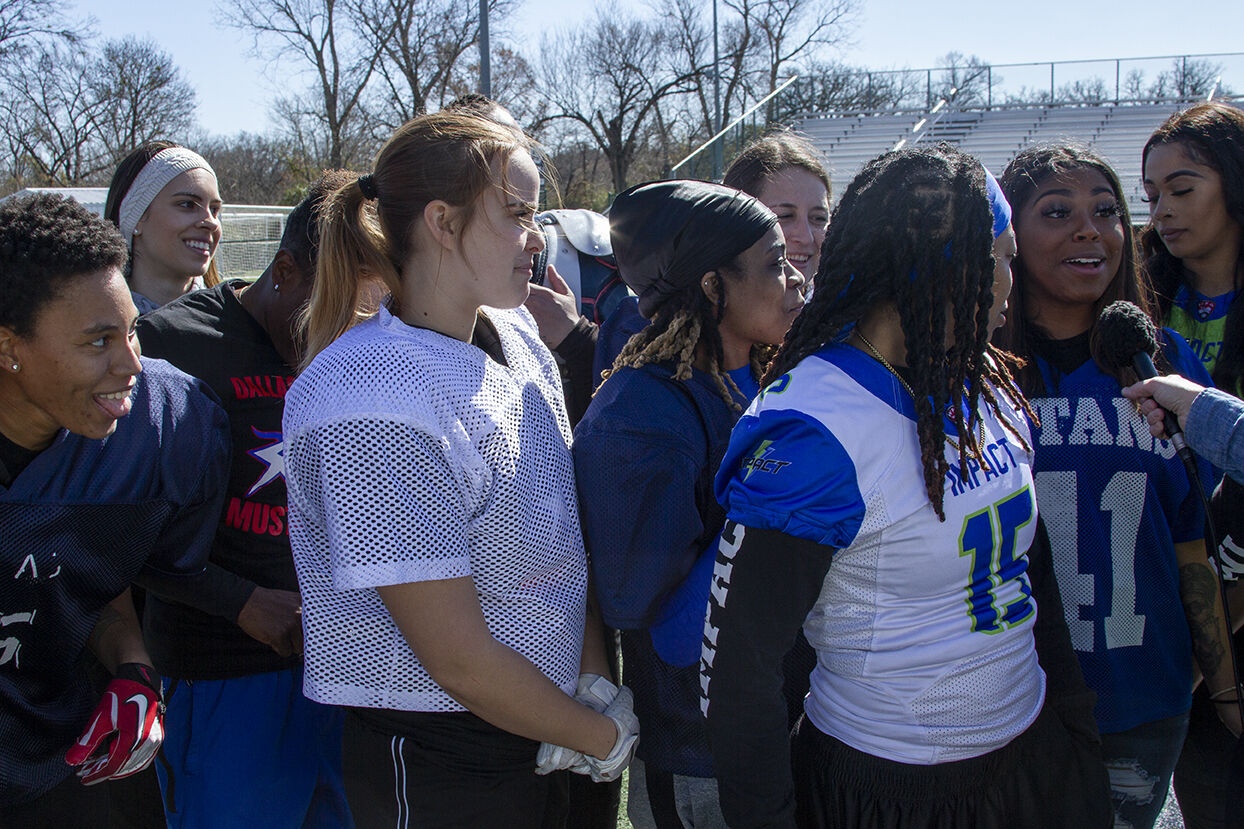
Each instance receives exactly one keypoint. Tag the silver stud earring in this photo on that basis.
(276, 287)
(16, 367)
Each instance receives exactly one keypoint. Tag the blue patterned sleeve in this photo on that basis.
(638, 453)
(785, 471)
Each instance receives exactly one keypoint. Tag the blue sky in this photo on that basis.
(234, 88)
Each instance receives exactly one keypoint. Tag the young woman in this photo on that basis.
(165, 200)
(878, 494)
(1194, 244)
(1194, 248)
(1124, 522)
(784, 172)
(229, 643)
(110, 466)
(433, 515)
(710, 268)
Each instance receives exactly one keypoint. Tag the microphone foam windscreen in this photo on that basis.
(1125, 331)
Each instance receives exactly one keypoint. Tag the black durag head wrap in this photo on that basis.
(667, 234)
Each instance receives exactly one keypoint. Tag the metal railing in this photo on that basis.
(1050, 83)
(741, 134)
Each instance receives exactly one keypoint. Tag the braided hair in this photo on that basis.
(680, 325)
(914, 230)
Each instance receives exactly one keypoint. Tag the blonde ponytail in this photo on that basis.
(353, 270)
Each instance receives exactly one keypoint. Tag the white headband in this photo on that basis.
(163, 167)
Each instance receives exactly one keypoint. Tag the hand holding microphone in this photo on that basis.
(1129, 338)
(1171, 393)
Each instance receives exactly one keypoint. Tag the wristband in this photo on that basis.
(144, 674)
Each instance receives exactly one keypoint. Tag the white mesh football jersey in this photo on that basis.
(923, 628)
(411, 456)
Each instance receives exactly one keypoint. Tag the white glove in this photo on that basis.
(594, 691)
(622, 712)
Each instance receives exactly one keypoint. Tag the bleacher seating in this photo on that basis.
(1117, 132)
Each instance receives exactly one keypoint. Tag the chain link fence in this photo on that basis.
(250, 236)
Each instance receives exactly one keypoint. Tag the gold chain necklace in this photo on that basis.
(872, 350)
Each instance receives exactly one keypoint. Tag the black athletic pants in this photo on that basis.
(445, 770)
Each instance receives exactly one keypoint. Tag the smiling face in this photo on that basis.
(502, 237)
(77, 366)
(1071, 241)
(1187, 206)
(763, 297)
(801, 203)
(177, 236)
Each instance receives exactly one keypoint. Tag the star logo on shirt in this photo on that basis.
(271, 455)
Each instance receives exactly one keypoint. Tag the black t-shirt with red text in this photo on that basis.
(208, 334)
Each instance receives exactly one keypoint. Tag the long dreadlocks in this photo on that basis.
(913, 230)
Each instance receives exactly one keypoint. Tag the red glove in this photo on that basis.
(125, 731)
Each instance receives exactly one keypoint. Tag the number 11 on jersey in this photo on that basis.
(1122, 502)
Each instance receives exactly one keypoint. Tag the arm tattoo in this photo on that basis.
(1199, 592)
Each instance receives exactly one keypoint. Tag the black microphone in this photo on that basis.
(1129, 338)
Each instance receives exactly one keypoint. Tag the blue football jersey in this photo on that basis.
(1115, 502)
(76, 527)
(923, 627)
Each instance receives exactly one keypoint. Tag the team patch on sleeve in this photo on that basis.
(786, 472)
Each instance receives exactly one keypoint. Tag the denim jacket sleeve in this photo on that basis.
(1215, 429)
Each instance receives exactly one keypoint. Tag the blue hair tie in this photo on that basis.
(998, 204)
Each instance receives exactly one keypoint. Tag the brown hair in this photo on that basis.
(447, 156)
(772, 154)
(1211, 134)
(123, 180)
(679, 327)
(1020, 182)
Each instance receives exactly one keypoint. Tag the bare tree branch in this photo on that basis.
(51, 113)
(422, 48)
(341, 62)
(147, 94)
(23, 22)
(609, 79)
